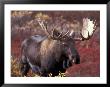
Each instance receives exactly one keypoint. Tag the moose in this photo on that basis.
(54, 52)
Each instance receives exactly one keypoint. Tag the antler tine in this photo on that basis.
(53, 31)
(59, 36)
(41, 23)
(95, 25)
(65, 34)
(47, 31)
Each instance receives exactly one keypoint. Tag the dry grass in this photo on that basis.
(15, 71)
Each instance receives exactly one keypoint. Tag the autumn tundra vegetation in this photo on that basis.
(55, 43)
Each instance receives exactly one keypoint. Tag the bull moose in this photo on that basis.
(54, 52)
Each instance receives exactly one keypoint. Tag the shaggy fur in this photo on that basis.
(45, 56)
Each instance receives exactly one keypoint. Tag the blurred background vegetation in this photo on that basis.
(24, 25)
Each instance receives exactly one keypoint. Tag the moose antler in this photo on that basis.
(88, 28)
(53, 35)
(41, 23)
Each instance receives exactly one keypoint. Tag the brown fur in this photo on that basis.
(50, 47)
(46, 56)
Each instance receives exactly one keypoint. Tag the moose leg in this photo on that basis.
(36, 69)
(25, 69)
(43, 72)
(44, 75)
(65, 63)
(75, 56)
(24, 66)
(77, 59)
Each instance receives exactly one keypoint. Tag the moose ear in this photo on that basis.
(88, 27)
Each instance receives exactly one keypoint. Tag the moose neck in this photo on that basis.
(50, 43)
(50, 46)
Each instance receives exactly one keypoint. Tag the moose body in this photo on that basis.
(46, 56)
(54, 52)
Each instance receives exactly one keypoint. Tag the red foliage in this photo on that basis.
(87, 69)
(90, 60)
(24, 25)
(16, 47)
(89, 54)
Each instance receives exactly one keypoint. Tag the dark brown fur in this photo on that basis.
(46, 56)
